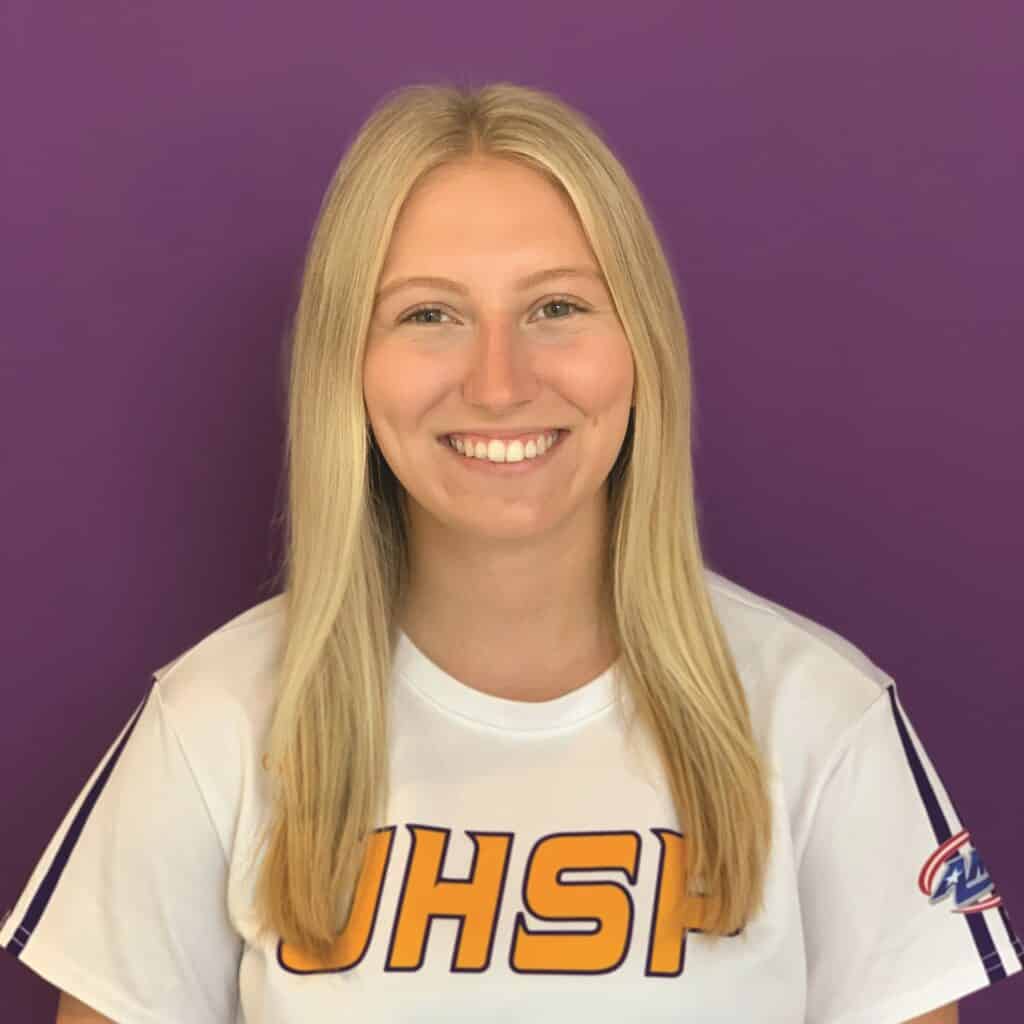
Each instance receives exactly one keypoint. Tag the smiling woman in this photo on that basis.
(495, 362)
(506, 747)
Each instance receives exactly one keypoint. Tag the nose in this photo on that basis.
(500, 366)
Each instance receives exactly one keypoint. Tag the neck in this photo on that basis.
(526, 621)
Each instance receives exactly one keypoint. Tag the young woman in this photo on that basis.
(504, 748)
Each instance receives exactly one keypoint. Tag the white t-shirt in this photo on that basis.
(528, 858)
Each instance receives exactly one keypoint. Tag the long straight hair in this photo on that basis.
(345, 563)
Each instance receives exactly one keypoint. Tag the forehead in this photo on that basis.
(483, 207)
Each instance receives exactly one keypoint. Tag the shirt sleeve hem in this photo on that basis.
(951, 987)
(66, 976)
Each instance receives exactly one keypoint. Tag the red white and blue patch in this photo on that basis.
(955, 870)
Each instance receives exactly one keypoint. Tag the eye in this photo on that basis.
(408, 318)
(562, 301)
(558, 300)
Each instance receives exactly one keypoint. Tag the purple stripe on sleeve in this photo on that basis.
(990, 958)
(60, 860)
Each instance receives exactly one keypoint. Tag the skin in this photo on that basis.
(948, 1014)
(505, 584)
(73, 1011)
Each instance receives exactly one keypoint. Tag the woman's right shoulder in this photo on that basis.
(233, 667)
(218, 696)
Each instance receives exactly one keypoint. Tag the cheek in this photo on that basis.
(604, 378)
(371, 374)
(389, 383)
(384, 406)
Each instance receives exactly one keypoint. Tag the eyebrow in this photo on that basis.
(455, 286)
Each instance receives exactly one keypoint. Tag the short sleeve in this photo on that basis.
(127, 907)
(899, 913)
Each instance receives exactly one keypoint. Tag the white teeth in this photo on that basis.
(498, 451)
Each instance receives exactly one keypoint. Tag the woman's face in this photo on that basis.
(487, 354)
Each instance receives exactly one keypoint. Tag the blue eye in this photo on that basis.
(557, 301)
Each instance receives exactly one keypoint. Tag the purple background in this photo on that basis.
(839, 190)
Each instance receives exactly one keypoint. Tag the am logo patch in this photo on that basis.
(956, 870)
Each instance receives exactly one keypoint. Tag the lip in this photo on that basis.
(501, 435)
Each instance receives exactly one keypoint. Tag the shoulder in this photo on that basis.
(218, 695)
(807, 685)
(244, 646)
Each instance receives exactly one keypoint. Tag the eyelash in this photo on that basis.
(562, 300)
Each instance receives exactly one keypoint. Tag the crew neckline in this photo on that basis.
(458, 699)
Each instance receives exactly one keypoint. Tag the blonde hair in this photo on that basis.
(345, 557)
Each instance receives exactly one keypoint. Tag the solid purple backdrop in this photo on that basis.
(838, 188)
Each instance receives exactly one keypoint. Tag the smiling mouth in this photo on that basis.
(522, 463)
